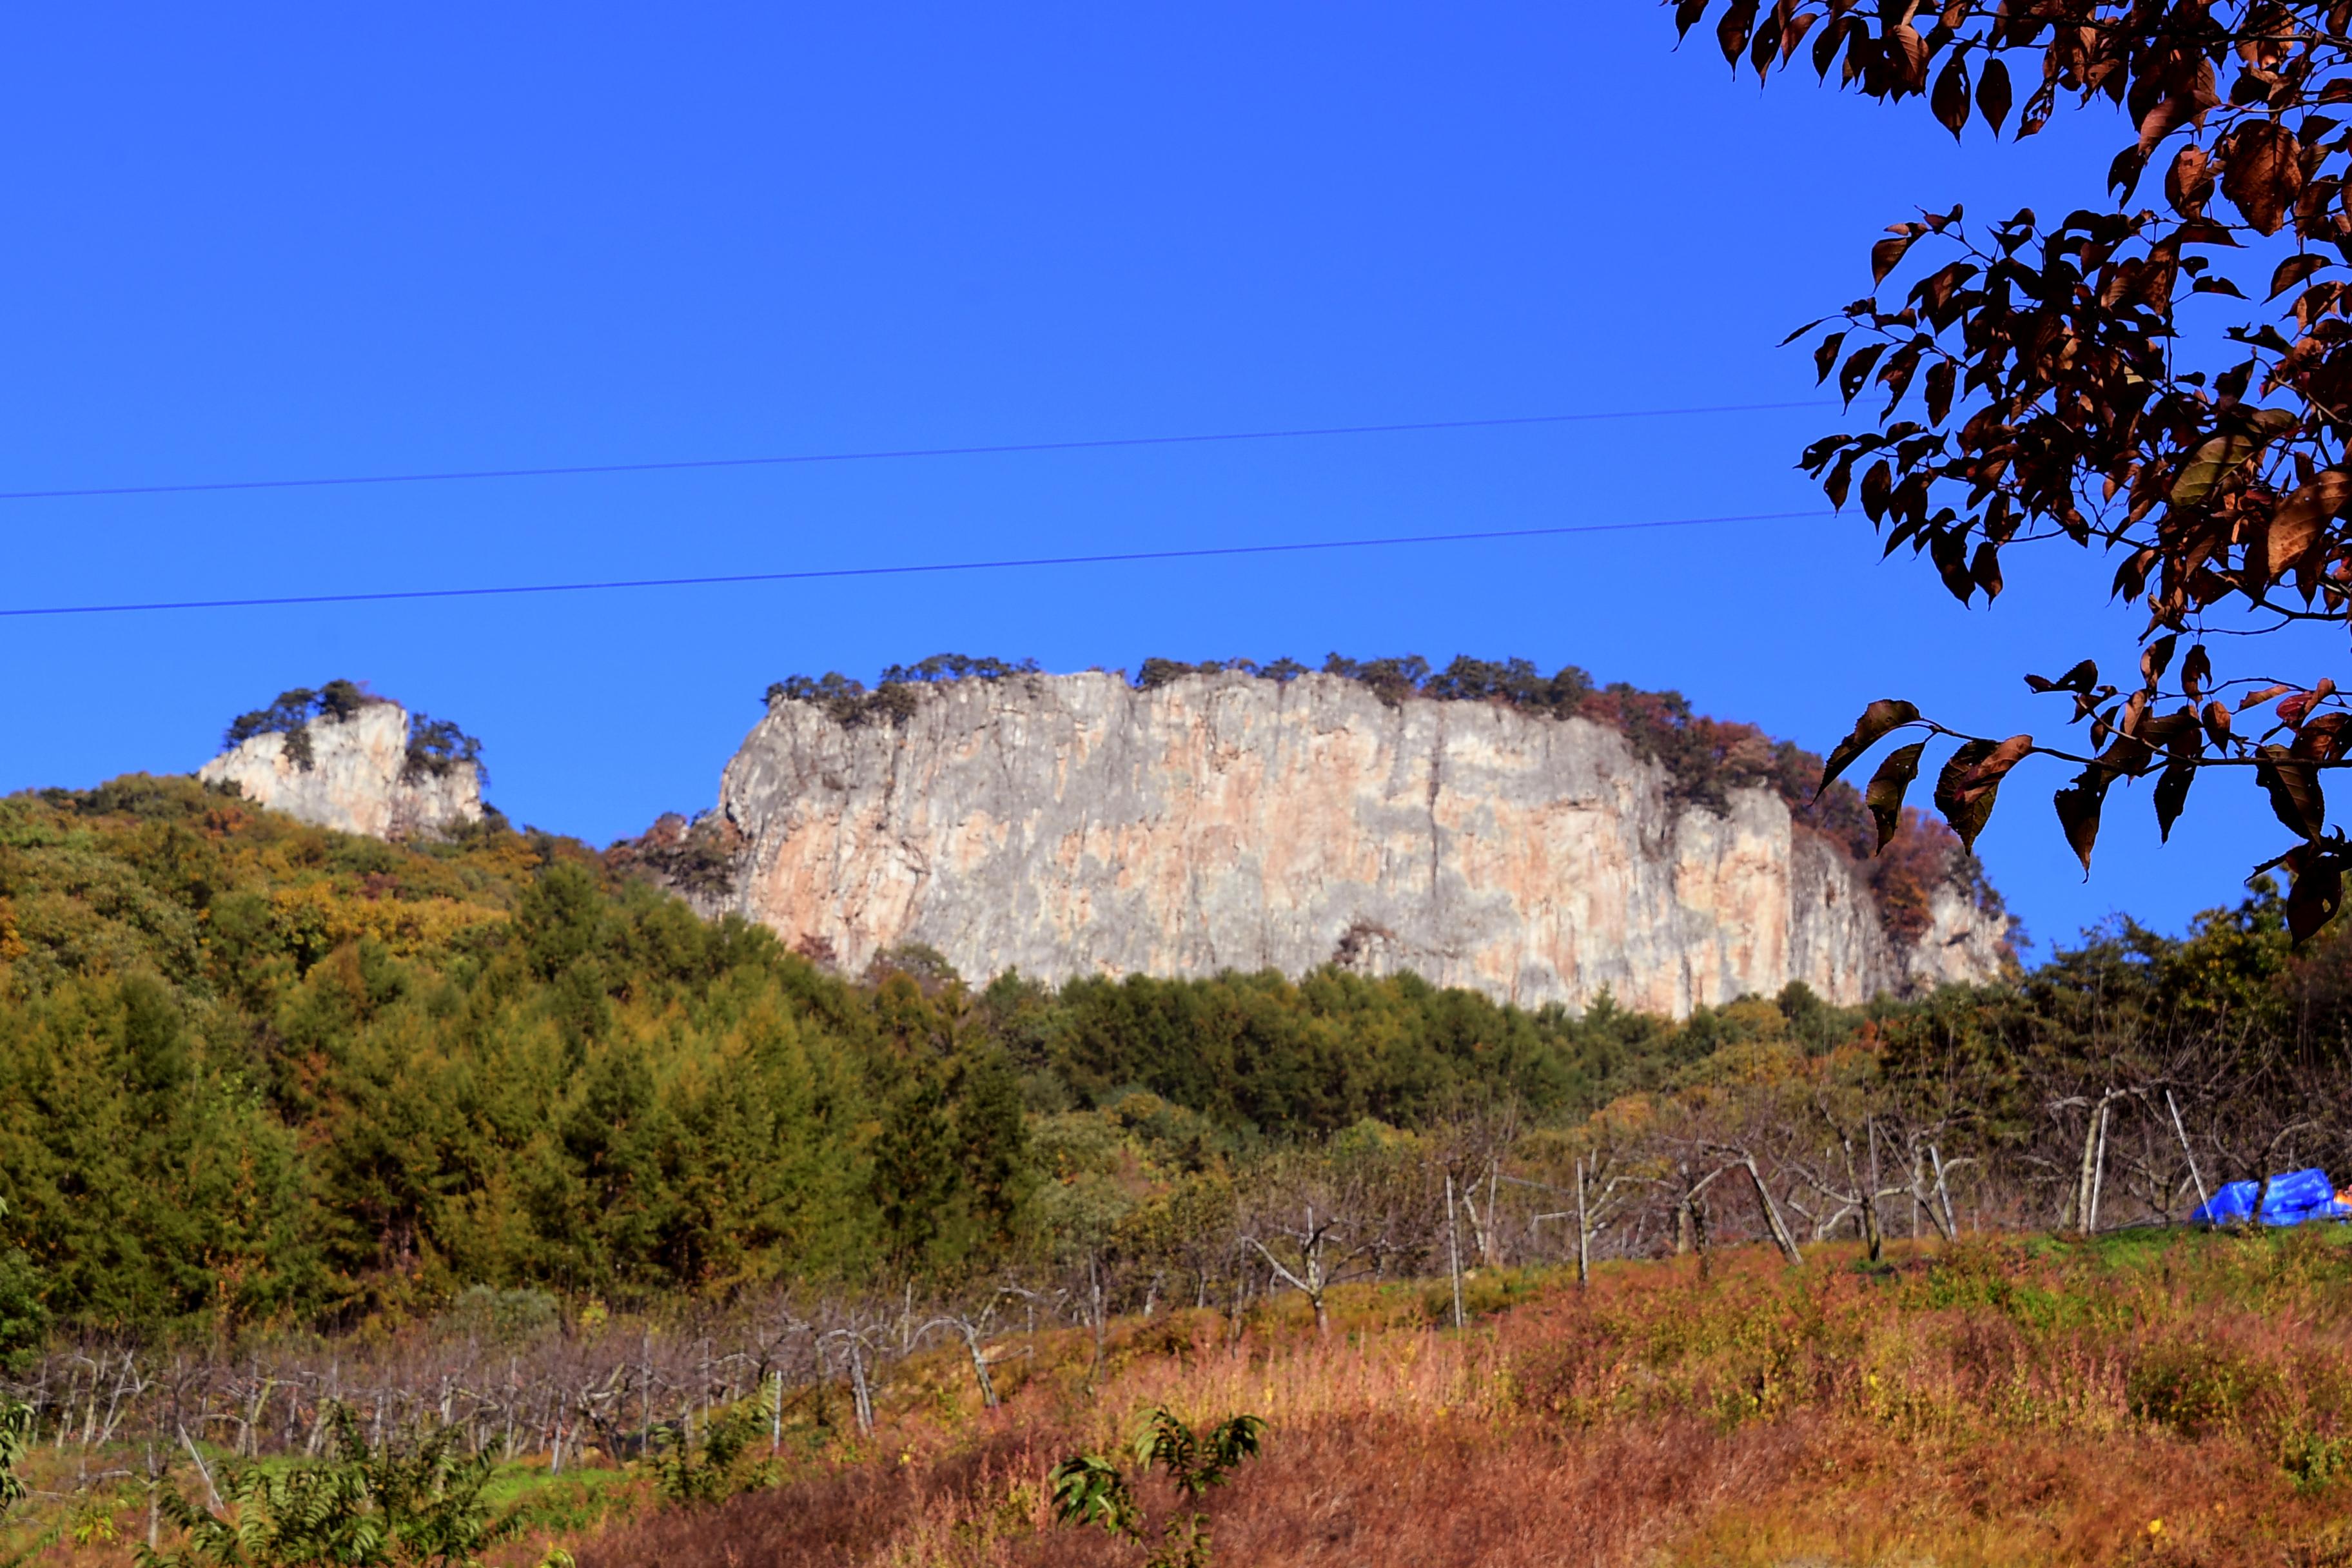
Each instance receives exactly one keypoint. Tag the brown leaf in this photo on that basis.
(2196, 670)
(2207, 465)
(2216, 718)
(2124, 173)
(1881, 717)
(1731, 32)
(1969, 781)
(1878, 490)
(2171, 794)
(1884, 793)
(1793, 31)
(1856, 370)
(1942, 377)
(2293, 270)
(1992, 93)
(2293, 786)
(2189, 184)
(2078, 811)
(1906, 53)
(2317, 891)
(1825, 356)
(1887, 255)
(2297, 523)
(2261, 172)
(2256, 698)
(1686, 15)
(2322, 739)
(1949, 101)
(1984, 571)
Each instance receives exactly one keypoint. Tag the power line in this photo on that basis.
(937, 567)
(880, 456)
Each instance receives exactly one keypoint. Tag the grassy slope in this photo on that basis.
(2159, 1398)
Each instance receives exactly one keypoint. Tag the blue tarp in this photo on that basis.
(2298, 1197)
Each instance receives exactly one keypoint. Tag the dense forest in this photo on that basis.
(258, 1075)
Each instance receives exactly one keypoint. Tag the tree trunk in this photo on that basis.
(1873, 1238)
(1781, 1238)
(2080, 1210)
(980, 1366)
(1944, 1222)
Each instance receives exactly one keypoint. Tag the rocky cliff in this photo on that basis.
(358, 773)
(1074, 824)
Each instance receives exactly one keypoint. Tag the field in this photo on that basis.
(2155, 1397)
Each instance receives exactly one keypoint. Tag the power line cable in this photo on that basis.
(375, 596)
(886, 454)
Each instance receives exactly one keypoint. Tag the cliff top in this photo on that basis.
(342, 757)
(1705, 758)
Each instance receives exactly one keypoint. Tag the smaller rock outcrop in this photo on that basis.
(354, 762)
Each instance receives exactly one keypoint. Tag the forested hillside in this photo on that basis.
(256, 1074)
(253, 1071)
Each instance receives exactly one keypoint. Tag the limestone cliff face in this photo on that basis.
(1072, 825)
(359, 778)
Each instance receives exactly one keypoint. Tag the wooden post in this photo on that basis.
(2203, 1201)
(1584, 1234)
(1452, 1248)
(2098, 1173)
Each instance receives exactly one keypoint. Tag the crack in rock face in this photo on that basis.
(359, 778)
(1074, 824)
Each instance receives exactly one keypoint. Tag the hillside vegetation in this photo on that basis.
(2157, 1398)
(490, 1144)
(254, 1072)
(2177, 1399)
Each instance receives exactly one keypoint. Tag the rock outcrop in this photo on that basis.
(1074, 824)
(359, 776)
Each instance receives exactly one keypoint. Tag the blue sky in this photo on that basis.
(282, 241)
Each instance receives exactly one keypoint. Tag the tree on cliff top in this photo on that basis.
(2059, 394)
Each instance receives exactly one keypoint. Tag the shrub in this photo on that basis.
(893, 701)
(1088, 1489)
(437, 748)
(414, 1504)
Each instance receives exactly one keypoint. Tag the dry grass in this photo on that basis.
(2187, 1402)
(2164, 1400)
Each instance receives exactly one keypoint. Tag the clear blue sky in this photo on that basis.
(282, 241)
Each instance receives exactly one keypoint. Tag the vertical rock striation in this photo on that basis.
(359, 777)
(1072, 824)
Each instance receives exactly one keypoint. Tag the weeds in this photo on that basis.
(395, 1504)
(1088, 1489)
(687, 1473)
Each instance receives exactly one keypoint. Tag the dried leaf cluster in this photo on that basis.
(2055, 383)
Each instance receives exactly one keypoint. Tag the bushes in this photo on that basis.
(894, 699)
(291, 715)
(436, 748)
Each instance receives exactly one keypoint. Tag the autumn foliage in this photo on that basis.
(2110, 381)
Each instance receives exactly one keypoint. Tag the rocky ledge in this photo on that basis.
(1076, 825)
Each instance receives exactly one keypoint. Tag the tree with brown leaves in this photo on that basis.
(2061, 384)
